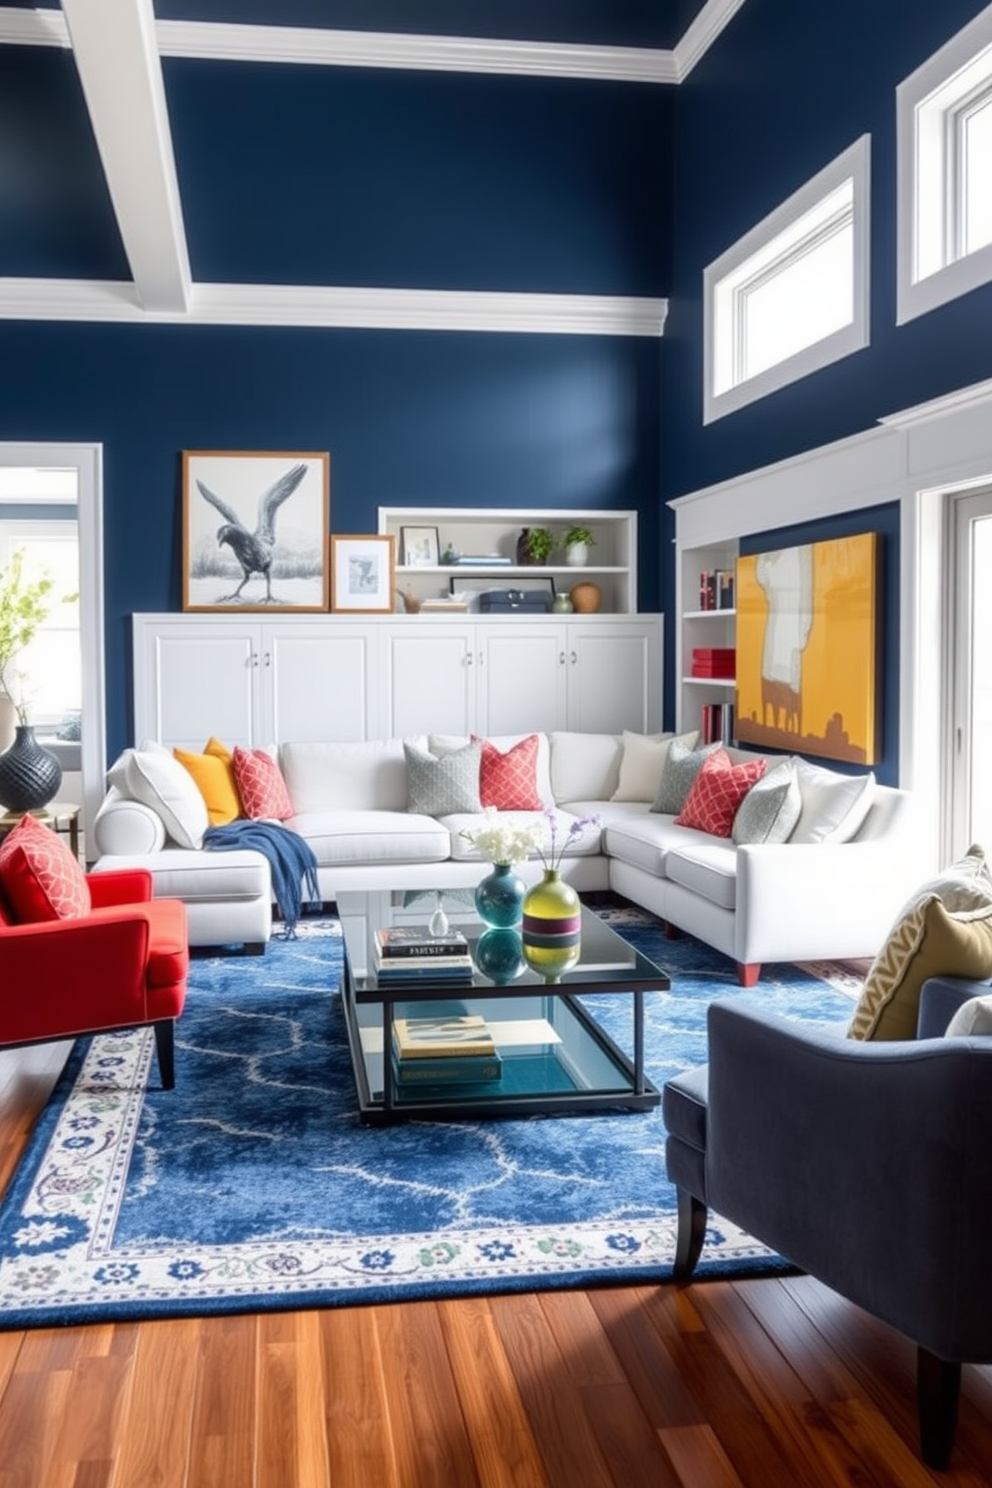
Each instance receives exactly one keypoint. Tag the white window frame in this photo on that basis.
(930, 105)
(729, 271)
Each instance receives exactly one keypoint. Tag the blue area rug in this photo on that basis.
(253, 1184)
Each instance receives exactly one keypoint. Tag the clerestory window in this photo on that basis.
(792, 295)
(944, 114)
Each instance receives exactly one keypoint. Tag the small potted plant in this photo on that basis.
(578, 540)
(536, 545)
(29, 774)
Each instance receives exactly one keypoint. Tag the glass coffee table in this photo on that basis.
(554, 1055)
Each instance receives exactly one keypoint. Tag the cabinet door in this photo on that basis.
(194, 679)
(320, 681)
(521, 678)
(429, 679)
(614, 678)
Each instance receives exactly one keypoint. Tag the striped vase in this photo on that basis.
(551, 926)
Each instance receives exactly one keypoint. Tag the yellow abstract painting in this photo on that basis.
(806, 635)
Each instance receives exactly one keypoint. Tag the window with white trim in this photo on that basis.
(944, 118)
(792, 295)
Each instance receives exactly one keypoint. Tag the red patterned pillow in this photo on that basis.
(716, 793)
(261, 785)
(39, 877)
(509, 781)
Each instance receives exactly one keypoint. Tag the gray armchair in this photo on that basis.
(867, 1165)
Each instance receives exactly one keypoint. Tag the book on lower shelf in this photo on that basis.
(451, 1070)
(435, 969)
(717, 723)
(443, 1036)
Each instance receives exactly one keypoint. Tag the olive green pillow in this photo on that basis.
(928, 940)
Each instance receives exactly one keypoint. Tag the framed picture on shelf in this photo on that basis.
(363, 574)
(471, 589)
(255, 530)
(419, 547)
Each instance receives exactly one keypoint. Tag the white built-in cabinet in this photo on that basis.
(701, 628)
(327, 677)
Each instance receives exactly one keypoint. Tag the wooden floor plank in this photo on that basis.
(625, 1314)
(356, 1417)
(569, 1450)
(428, 1430)
(292, 1443)
(222, 1440)
(503, 1445)
(153, 1441)
(698, 1458)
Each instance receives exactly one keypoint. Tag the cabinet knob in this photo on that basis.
(254, 658)
(574, 658)
(561, 659)
(469, 658)
(268, 659)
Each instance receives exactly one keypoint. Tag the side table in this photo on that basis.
(61, 816)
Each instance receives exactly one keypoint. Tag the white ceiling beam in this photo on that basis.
(116, 51)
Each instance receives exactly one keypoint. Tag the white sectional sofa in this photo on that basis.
(757, 902)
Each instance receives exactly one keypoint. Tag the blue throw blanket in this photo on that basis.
(291, 858)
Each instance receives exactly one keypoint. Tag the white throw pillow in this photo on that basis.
(965, 885)
(770, 810)
(972, 1019)
(161, 782)
(642, 762)
(834, 805)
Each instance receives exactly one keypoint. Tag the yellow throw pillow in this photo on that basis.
(213, 772)
(927, 941)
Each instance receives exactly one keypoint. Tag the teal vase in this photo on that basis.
(499, 955)
(551, 927)
(499, 897)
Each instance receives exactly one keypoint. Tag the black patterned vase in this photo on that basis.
(29, 774)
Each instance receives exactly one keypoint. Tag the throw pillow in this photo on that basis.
(680, 769)
(509, 781)
(39, 877)
(770, 810)
(834, 805)
(153, 777)
(642, 762)
(717, 792)
(966, 884)
(973, 1019)
(261, 786)
(929, 941)
(443, 785)
(214, 778)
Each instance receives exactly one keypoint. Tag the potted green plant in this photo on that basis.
(578, 540)
(536, 545)
(29, 774)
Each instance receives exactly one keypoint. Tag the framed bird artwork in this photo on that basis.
(256, 531)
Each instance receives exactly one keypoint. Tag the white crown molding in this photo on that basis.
(310, 46)
(702, 33)
(922, 413)
(327, 306)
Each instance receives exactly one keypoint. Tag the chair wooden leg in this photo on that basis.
(672, 932)
(748, 973)
(938, 1386)
(165, 1049)
(691, 1233)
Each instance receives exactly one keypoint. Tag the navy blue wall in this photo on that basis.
(446, 419)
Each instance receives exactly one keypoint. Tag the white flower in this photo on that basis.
(504, 841)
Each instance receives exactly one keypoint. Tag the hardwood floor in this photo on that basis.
(756, 1384)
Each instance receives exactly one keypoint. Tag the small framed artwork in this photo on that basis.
(363, 574)
(255, 531)
(419, 547)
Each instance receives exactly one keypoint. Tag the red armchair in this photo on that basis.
(123, 965)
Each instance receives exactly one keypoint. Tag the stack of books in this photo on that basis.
(408, 953)
(453, 1049)
(714, 661)
(716, 589)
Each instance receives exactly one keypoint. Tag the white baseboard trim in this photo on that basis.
(316, 305)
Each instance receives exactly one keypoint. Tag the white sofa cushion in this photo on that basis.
(126, 826)
(645, 840)
(369, 775)
(643, 760)
(708, 869)
(445, 743)
(584, 767)
(158, 781)
(833, 805)
(342, 837)
(202, 877)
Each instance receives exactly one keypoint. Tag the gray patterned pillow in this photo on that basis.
(770, 810)
(445, 785)
(680, 769)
